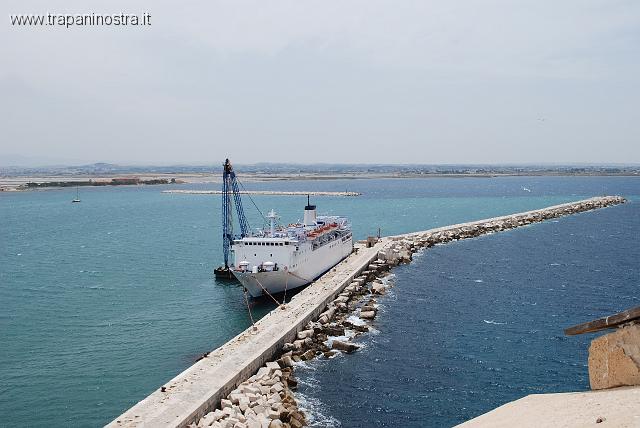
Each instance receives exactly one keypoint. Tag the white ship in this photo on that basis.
(283, 258)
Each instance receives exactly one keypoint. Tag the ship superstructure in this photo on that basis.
(281, 258)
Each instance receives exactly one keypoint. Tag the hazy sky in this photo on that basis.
(324, 81)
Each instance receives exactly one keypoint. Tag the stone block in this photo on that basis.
(367, 315)
(272, 365)
(614, 359)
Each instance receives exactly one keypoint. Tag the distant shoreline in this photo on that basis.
(263, 192)
(13, 183)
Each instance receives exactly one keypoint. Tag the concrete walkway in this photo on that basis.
(195, 391)
(619, 407)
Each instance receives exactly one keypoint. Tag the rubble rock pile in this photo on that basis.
(262, 401)
(402, 248)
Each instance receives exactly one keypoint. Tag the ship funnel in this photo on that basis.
(309, 214)
(272, 223)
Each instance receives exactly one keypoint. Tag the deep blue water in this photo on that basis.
(473, 324)
(104, 301)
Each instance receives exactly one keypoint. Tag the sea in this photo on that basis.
(105, 300)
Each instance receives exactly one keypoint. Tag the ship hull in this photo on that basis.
(272, 282)
(321, 260)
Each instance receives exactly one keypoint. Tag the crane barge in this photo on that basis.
(230, 188)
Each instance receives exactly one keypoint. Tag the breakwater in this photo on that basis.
(385, 254)
(125, 181)
(264, 192)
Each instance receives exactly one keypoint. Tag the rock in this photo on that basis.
(294, 423)
(253, 423)
(308, 355)
(341, 299)
(264, 422)
(296, 416)
(305, 333)
(269, 382)
(287, 347)
(334, 330)
(367, 315)
(614, 359)
(272, 414)
(273, 366)
(276, 423)
(344, 346)
(260, 409)
(225, 404)
(276, 388)
(207, 420)
(292, 383)
(377, 288)
(250, 389)
(286, 361)
(368, 307)
(329, 354)
(274, 400)
(263, 371)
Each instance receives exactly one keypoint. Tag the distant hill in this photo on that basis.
(102, 168)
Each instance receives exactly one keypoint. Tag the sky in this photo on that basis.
(304, 81)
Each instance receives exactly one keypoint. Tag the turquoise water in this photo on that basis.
(105, 300)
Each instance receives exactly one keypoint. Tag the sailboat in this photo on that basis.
(77, 199)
